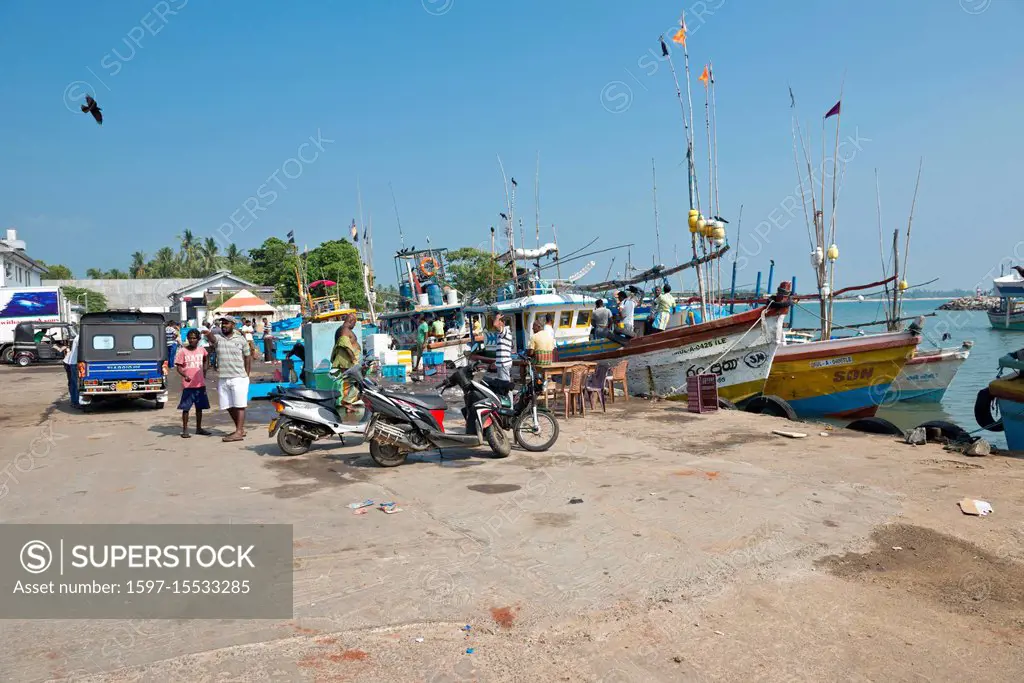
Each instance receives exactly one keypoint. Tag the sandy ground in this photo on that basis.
(704, 549)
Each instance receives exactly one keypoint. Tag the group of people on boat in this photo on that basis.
(620, 325)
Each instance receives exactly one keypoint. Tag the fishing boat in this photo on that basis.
(1009, 313)
(424, 294)
(928, 374)
(847, 377)
(1006, 393)
(737, 349)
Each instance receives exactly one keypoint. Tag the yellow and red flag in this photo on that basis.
(704, 76)
(680, 36)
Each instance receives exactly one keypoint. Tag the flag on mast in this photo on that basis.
(705, 76)
(834, 111)
(680, 36)
(355, 231)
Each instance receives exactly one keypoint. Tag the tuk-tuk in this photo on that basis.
(39, 342)
(122, 355)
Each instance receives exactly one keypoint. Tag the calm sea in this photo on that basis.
(979, 369)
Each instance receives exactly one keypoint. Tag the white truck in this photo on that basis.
(28, 304)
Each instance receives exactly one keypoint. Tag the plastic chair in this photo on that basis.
(618, 374)
(571, 389)
(597, 383)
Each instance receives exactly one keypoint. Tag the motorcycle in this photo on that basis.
(402, 423)
(529, 423)
(307, 415)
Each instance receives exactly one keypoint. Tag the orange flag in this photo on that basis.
(704, 76)
(680, 36)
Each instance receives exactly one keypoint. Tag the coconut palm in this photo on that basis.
(95, 274)
(211, 257)
(233, 255)
(189, 253)
(164, 263)
(138, 267)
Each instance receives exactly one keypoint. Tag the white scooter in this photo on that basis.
(308, 415)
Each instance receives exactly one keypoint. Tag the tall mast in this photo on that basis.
(896, 273)
(657, 228)
(509, 230)
(910, 221)
(536, 202)
(394, 202)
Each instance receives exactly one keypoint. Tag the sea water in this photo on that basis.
(978, 370)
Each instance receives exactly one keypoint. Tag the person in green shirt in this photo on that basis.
(437, 328)
(421, 342)
(663, 306)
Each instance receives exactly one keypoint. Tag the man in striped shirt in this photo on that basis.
(503, 357)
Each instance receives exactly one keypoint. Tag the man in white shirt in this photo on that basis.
(71, 368)
(627, 308)
(549, 325)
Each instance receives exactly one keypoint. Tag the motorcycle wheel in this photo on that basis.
(497, 439)
(528, 431)
(291, 443)
(386, 455)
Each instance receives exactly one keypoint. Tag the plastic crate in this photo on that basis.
(432, 358)
(395, 372)
(702, 393)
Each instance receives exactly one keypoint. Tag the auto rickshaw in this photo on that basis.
(40, 342)
(122, 355)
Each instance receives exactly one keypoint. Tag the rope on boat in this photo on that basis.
(760, 321)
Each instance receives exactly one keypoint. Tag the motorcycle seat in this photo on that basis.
(315, 395)
(428, 401)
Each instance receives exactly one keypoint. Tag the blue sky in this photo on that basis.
(208, 103)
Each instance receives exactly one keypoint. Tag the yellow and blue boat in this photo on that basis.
(1007, 393)
(845, 378)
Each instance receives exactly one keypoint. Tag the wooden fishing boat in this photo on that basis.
(738, 349)
(846, 377)
(928, 374)
(1007, 393)
(1009, 314)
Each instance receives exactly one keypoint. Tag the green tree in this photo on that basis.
(211, 259)
(138, 267)
(164, 264)
(273, 265)
(189, 253)
(476, 274)
(95, 274)
(93, 301)
(56, 272)
(339, 260)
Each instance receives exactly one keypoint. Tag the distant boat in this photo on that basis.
(1009, 314)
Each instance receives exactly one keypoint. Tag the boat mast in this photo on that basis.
(910, 221)
(657, 227)
(509, 230)
(896, 275)
(890, 315)
(394, 202)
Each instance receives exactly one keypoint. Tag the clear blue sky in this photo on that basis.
(207, 109)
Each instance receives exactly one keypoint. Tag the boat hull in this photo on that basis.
(844, 378)
(999, 321)
(926, 376)
(737, 349)
(1009, 393)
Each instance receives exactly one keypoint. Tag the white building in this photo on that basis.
(16, 268)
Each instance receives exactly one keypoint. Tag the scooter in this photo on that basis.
(308, 415)
(403, 423)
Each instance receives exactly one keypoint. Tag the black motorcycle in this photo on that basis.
(535, 429)
(402, 423)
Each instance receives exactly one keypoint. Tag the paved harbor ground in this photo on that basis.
(705, 548)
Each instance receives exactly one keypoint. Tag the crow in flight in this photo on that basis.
(90, 107)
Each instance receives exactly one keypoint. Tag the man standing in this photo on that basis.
(422, 331)
(234, 362)
(71, 368)
(600, 319)
(503, 357)
(550, 324)
(626, 309)
(171, 333)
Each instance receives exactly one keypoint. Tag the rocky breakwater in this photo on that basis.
(970, 303)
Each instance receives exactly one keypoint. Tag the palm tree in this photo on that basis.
(164, 263)
(138, 267)
(234, 255)
(211, 259)
(115, 274)
(189, 252)
(94, 274)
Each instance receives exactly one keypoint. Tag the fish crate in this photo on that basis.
(702, 393)
(397, 373)
(432, 358)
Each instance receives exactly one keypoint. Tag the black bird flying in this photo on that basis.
(90, 107)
